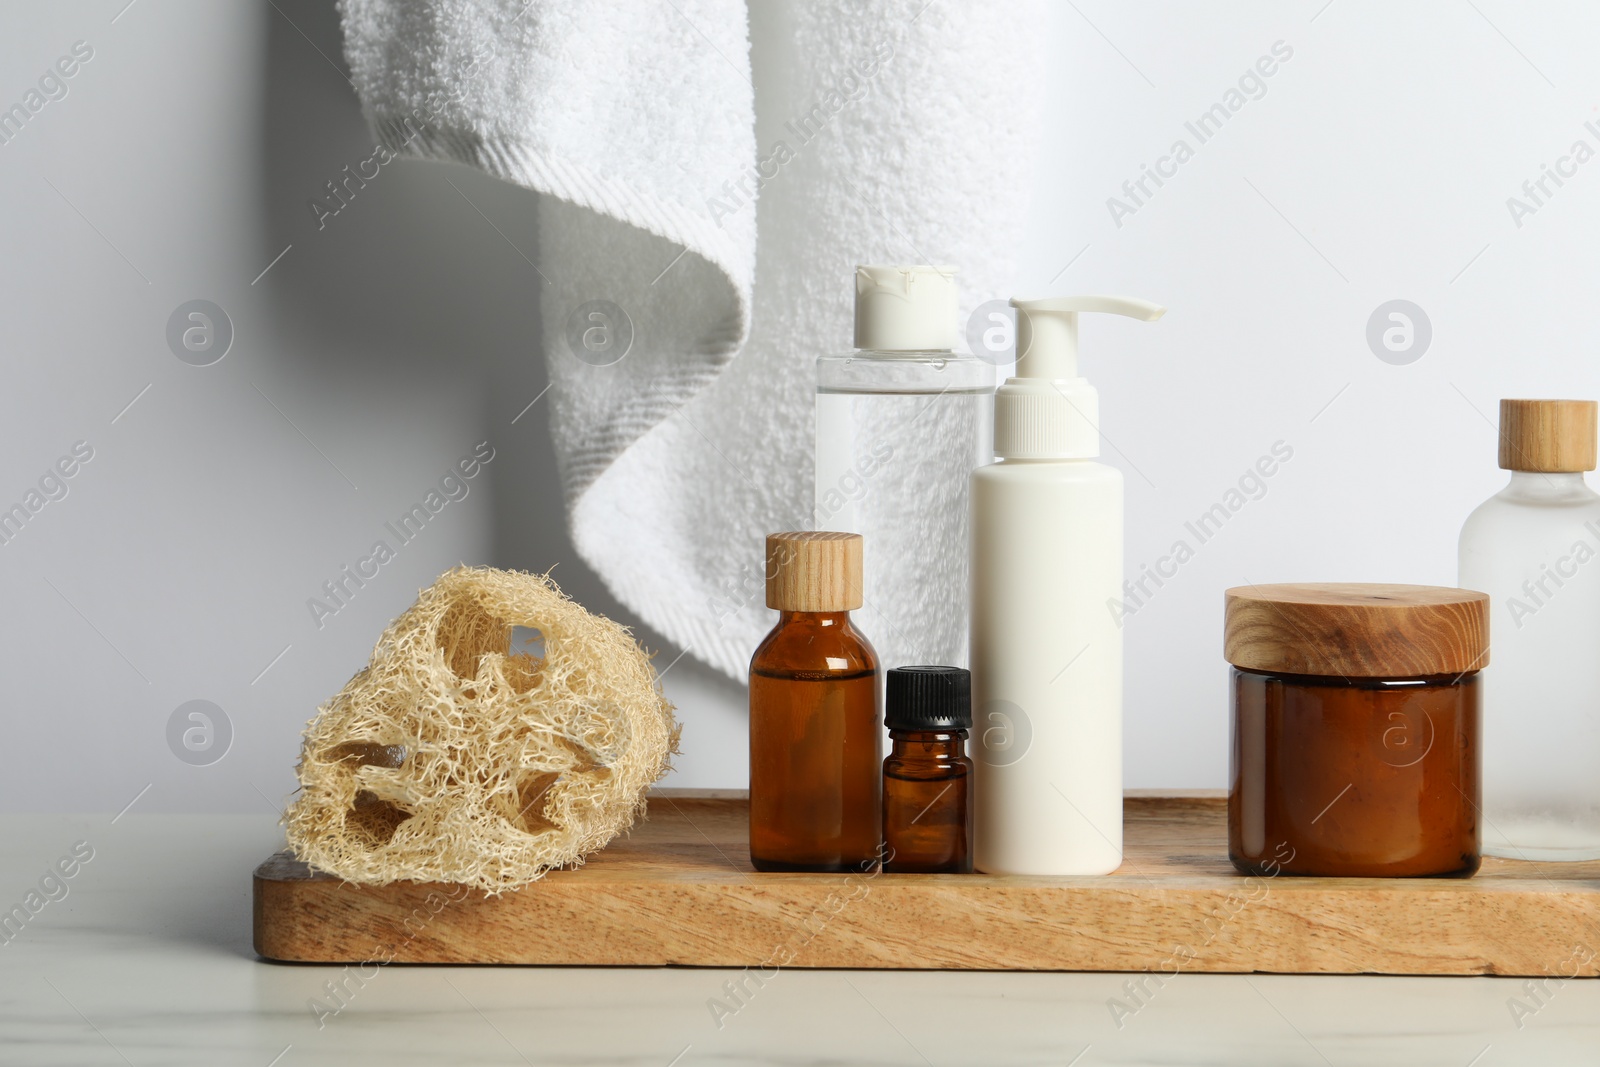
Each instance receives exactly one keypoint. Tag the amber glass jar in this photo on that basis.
(816, 726)
(1355, 729)
(927, 779)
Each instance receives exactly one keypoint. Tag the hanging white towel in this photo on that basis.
(875, 131)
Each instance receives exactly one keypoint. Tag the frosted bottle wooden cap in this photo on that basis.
(814, 571)
(1547, 435)
(1356, 630)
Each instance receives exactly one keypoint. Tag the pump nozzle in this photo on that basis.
(1047, 330)
(1046, 411)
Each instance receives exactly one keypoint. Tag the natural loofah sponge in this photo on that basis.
(451, 758)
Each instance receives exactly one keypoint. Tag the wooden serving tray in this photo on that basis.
(680, 890)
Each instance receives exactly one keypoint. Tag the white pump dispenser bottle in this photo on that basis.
(1046, 650)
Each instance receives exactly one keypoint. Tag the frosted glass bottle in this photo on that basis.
(1534, 547)
(901, 423)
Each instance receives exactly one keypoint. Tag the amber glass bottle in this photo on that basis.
(816, 732)
(927, 795)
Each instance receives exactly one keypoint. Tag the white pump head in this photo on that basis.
(1046, 411)
(1047, 330)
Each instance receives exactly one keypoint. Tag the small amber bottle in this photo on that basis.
(816, 731)
(927, 796)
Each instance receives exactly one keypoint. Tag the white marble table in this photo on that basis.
(146, 960)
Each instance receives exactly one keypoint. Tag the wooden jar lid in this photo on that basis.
(1547, 435)
(1356, 630)
(814, 571)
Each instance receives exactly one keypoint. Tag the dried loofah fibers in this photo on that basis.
(451, 758)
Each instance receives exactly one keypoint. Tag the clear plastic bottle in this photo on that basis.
(1534, 547)
(901, 423)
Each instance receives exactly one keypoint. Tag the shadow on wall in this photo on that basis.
(425, 266)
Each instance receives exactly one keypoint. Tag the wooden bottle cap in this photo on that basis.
(814, 571)
(1356, 630)
(1547, 435)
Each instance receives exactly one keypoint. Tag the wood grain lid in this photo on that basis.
(1547, 435)
(1356, 630)
(814, 571)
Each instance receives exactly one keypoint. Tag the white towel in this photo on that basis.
(877, 131)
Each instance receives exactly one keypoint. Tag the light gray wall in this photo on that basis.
(1376, 166)
(375, 353)
(379, 349)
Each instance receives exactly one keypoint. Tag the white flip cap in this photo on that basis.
(906, 309)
